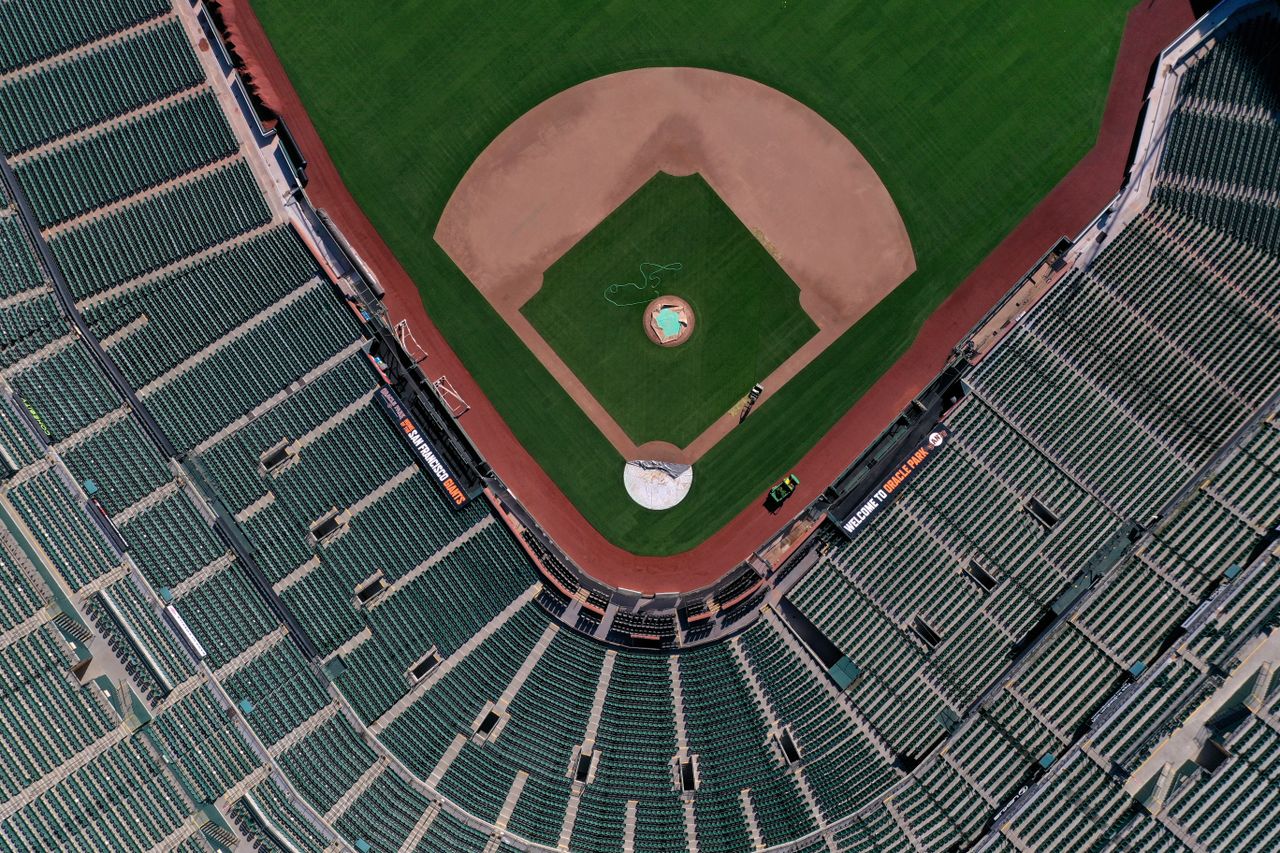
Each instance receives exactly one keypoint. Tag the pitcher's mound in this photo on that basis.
(668, 321)
(657, 485)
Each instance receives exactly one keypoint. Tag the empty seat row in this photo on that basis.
(122, 799)
(115, 162)
(23, 596)
(283, 692)
(152, 328)
(170, 541)
(284, 816)
(226, 614)
(326, 763)
(160, 228)
(63, 390)
(117, 465)
(98, 84)
(233, 461)
(62, 527)
(19, 269)
(38, 29)
(247, 370)
(199, 737)
(29, 325)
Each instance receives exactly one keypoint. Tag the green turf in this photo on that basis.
(969, 110)
(747, 314)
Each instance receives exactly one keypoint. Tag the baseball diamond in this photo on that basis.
(587, 158)
(957, 183)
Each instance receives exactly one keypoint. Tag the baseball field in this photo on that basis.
(967, 112)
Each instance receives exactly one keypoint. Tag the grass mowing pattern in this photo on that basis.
(747, 314)
(970, 111)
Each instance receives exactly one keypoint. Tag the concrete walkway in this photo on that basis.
(446, 666)
(353, 793)
(1184, 743)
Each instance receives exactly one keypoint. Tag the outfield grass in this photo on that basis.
(747, 314)
(969, 111)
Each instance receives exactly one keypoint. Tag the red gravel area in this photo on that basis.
(1067, 208)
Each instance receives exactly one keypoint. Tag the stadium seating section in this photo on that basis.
(1125, 433)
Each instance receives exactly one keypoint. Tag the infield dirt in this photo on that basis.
(801, 188)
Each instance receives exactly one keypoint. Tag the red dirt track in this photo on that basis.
(1068, 207)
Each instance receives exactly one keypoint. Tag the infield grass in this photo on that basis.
(970, 111)
(747, 314)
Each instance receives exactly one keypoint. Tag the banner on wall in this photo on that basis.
(853, 518)
(425, 453)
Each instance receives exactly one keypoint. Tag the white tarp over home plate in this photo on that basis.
(657, 485)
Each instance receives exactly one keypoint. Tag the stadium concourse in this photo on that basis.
(261, 593)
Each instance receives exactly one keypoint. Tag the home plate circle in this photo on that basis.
(657, 485)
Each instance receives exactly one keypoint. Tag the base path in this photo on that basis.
(1067, 209)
